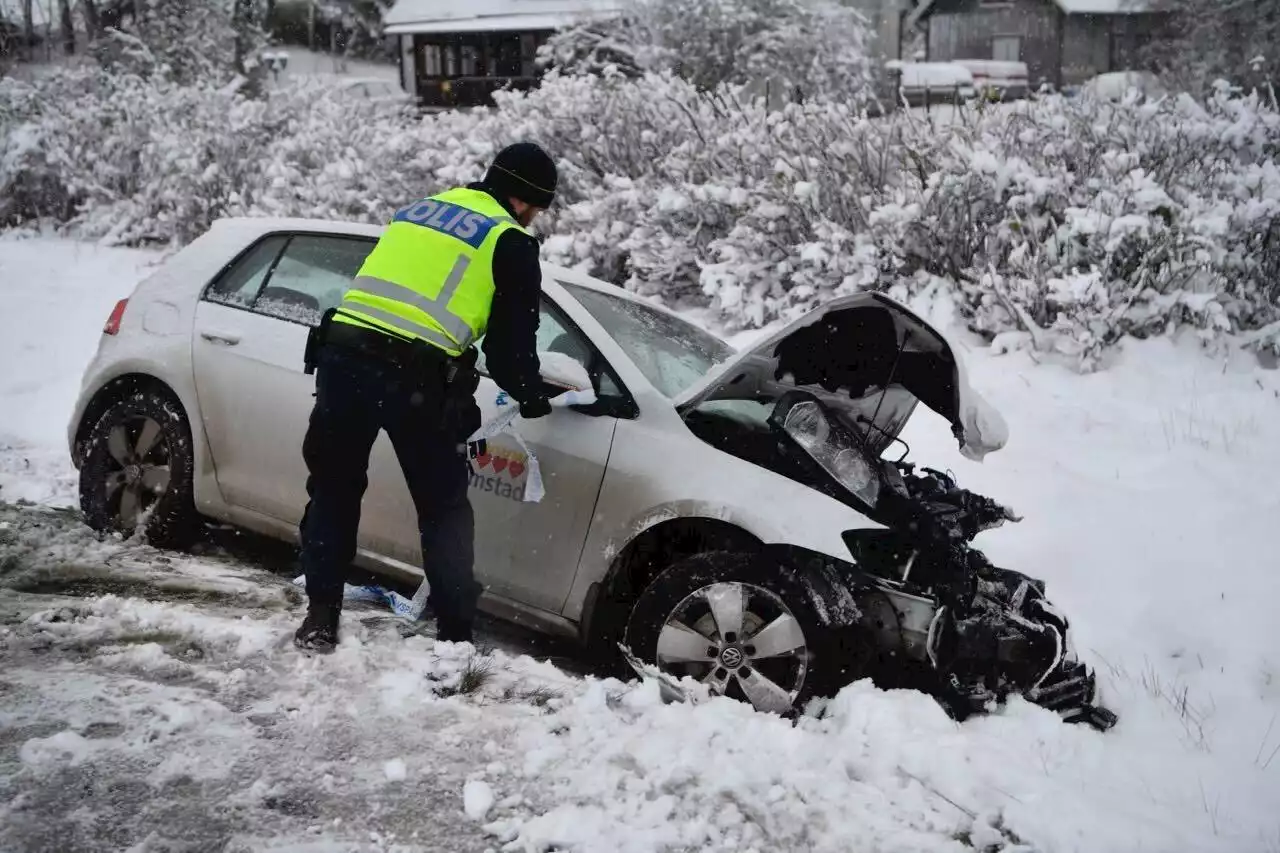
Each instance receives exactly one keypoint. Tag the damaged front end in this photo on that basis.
(916, 606)
(935, 615)
(1007, 639)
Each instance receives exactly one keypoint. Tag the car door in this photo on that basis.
(250, 334)
(251, 331)
(540, 543)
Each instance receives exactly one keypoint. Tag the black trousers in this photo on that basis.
(356, 397)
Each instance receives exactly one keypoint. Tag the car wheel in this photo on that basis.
(742, 627)
(137, 471)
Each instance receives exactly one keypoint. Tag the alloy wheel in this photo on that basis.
(137, 469)
(739, 639)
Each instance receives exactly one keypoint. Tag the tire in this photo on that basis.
(731, 660)
(138, 465)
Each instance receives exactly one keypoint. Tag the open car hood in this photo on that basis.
(843, 353)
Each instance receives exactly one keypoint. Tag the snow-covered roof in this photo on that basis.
(1104, 7)
(1071, 7)
(450, 16)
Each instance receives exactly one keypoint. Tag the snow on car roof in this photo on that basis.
(1104, 7)
(941, 74)
(246, 228)
(250, 226)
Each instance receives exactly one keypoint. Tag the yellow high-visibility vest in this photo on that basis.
(430, 276)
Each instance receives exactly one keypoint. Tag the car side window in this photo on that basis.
(239, 286)
(311, 276)
(556, 335)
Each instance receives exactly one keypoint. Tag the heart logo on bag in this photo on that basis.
(483, 460)
(499, 463)
(516, 468)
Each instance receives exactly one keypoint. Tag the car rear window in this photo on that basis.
(295, 277)
(239, 286)
(311, 277)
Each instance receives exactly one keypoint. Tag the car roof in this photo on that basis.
(252, 227)
(249, 228)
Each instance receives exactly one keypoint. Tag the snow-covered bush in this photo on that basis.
(1098, 221)
(1201, 42)
(136, 160)
(191, 42)
(1066, 222)
(816, 46)
(1073, 222)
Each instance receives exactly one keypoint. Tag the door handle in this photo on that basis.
(223, 338)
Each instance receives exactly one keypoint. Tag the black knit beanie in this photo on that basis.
(524, 171)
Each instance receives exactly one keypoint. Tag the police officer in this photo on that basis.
(398, 354)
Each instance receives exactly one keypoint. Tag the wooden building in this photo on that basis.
(456, 54)
(1063, 42)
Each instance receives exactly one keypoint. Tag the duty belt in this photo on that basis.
(417, 357)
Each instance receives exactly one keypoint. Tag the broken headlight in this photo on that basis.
(830, 443)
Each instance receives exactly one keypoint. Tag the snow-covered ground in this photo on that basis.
(60, 294)
(302, 62)
(152, 701)
(307, 63)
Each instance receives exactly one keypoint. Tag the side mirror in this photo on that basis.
(563, 371)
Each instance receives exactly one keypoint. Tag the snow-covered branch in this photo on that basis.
(817, 47)
(1085, 220)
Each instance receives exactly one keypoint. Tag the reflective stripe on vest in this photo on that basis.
(383, 320)
(430, 277)
(436, 307)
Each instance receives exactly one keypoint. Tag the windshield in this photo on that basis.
(672, 353)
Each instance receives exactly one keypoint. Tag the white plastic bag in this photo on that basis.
(508, 420)
(375, 594)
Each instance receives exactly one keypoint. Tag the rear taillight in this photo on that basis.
(117, 314)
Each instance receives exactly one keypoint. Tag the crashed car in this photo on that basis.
(911, 603)
(733, 517)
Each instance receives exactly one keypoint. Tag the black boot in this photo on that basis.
(450, 631)
(319, 631)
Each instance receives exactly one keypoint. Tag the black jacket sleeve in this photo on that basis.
(511, 341)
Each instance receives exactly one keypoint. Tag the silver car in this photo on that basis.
(727, 516)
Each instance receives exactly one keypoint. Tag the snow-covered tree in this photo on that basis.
(347, 28)
(67, 27)
(10, 38)
(1062, 223)
(593, 47)
(357, 25)
(816, 46)
(1208, 40)
(187, 41)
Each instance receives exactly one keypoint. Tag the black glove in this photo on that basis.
(538, 407)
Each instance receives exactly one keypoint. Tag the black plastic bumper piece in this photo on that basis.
(1096, 716)
(1071, 692)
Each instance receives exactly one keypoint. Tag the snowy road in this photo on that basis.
(152, 702)
(150, 695)
(147, 698)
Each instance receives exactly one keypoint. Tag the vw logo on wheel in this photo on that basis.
(732, 657)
